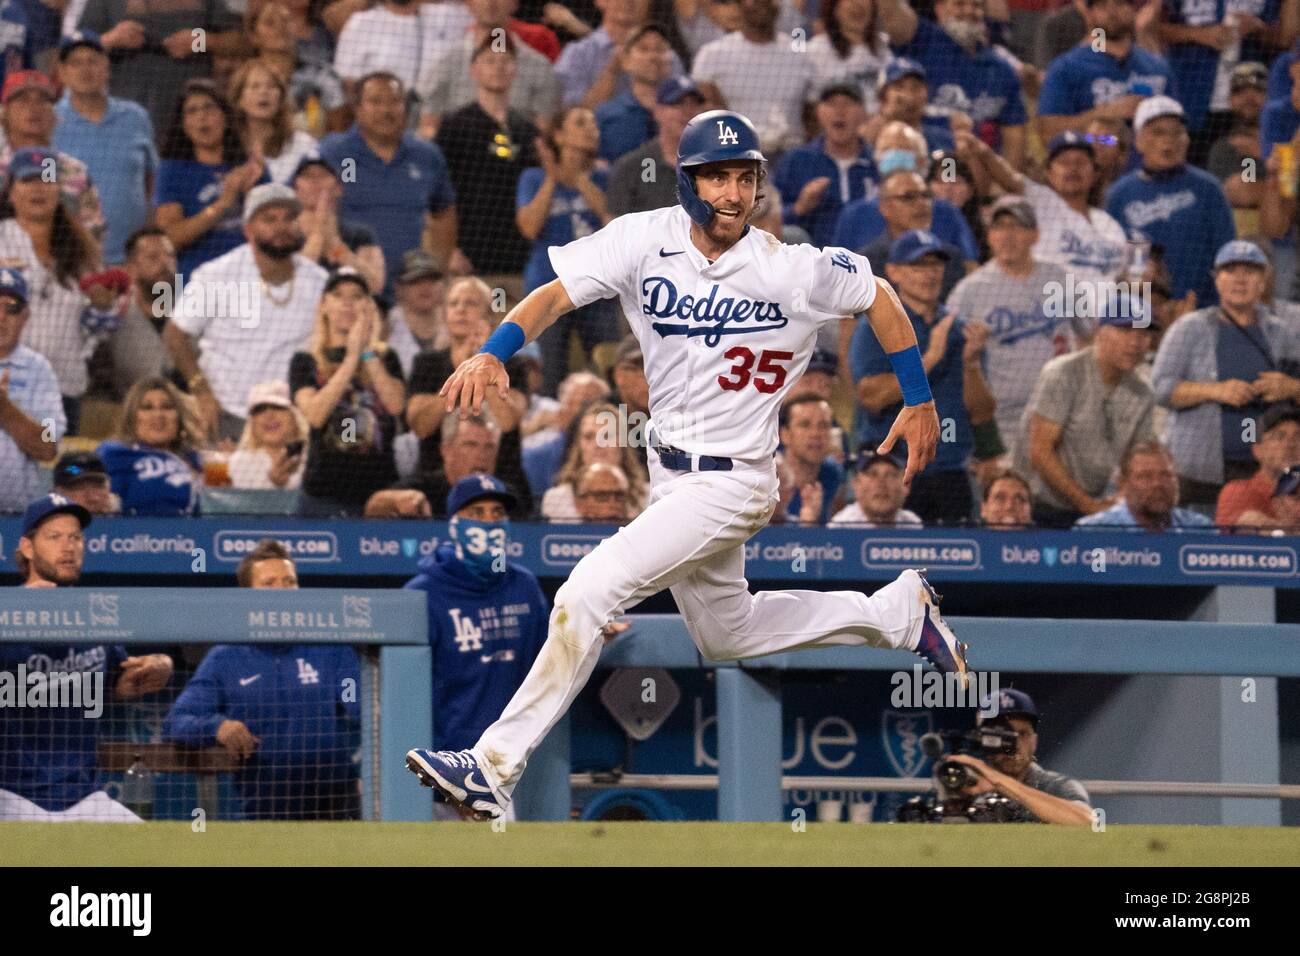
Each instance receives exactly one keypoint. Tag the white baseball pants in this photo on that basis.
(690, 539)
(98, 807)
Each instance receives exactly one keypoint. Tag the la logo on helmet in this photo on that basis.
(727, 135)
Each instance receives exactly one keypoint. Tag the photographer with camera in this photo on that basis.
(1010, 787)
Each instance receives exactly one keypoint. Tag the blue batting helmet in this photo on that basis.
(712, 137)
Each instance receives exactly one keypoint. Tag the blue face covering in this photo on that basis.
(892, 160)
(478, 543)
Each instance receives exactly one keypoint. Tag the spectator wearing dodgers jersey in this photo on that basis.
(965, 74)
(152, 462)
(1086, 83)
(1073, 233)
(1174, 205)
(1011, 296)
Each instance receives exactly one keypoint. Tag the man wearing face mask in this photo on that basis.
(487, 615)
(248, 336)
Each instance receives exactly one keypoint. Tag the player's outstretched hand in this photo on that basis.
(470, 382)
(918, 425)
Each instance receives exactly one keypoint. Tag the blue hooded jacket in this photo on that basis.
(485, 636)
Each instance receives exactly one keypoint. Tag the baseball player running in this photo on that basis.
(727, 317)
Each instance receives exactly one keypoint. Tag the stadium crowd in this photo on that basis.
(243, 244)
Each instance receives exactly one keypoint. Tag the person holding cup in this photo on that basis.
(348, 385)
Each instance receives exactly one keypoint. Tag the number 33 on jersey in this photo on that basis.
(723, 341)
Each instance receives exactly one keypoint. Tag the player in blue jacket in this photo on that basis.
(48, 758)
(487, 615)
(290, 712)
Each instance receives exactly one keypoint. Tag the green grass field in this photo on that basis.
(639, 844)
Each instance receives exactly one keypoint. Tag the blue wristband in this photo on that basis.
(911, 375)
(508, 339)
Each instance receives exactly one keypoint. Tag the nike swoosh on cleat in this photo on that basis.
(665, 255)
(474, 787)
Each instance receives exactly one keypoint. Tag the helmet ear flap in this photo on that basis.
(700, 211)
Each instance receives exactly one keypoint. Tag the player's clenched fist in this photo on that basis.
(143, 675)
(471, 381)
(237, 738)
(918, 425)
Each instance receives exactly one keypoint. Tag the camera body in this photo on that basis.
(954, 778)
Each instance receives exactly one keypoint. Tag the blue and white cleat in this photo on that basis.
(938, 644)
(453, 774)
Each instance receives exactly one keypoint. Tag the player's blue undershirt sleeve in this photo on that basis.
(197, 712)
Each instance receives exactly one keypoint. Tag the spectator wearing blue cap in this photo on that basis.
(965, 74)
(1171, 203)
(329, 241)
(73, 306)
(488, 145)
(152, 46)
(1088, 83)
(1218, 369)
(47, 776)
(1037, 795)
(626, 119)
(820, 178)
(878, 494)
(1148, 495)
(1072, 232)
(1249, 501)
(905, 98)
(487, 614)
(1240, 142)
(31, 407)
(1087, 409)
(951, 356)
(112, 136)
(677, 101)
(28, 122)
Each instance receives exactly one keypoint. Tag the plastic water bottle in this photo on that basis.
(137, 789)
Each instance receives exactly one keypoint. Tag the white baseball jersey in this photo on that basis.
(723, 341)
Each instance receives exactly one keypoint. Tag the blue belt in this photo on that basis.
(674, 459)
